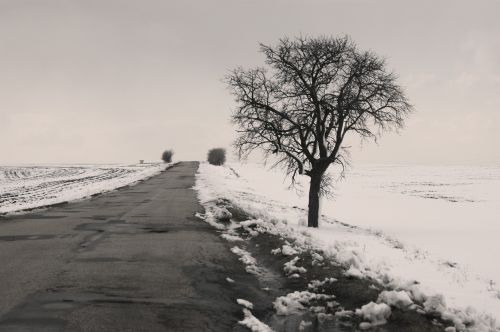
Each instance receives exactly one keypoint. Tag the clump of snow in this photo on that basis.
(221, 213)
(285, 250)
(229, 280)
(209, 218)
(253, 323)
(396, 299)
(353, 272)
(276, 251)
(375, 313)
(344, 313)
(435, 304)
(231, 237)
(245, 303)
(324, 316)
(317, 309)
(247, 259)
(317, 259)
(291, 268)
(256, 226)
(316, 284)
(295, 302)
(332, 304)
(288, 250)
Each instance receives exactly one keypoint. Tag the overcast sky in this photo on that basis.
(122, 80)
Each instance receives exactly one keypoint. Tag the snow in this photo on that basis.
(295, 302)
(245, 303)
(247, 259)
(434, 208)
(430, 231)
(276, 251)
(231, 238)
(253, 323)
(353, 272)
(30, 187)
(435, 304)
(222, 214)
(291, 268)
(375, 313)
(344, 313)
(316, 284)
(317, 259)
(398, 299)
(288, 250)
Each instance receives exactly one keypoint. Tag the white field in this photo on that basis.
(431, 231)
(451, 212)
(28, 187)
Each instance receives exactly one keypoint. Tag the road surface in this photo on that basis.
(136, 259)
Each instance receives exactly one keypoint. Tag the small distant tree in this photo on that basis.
(217, 156)
(167, 156)
(313, 94)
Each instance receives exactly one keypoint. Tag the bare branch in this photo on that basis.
(315, 92)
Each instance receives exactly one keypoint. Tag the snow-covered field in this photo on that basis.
(430, 231)
(29, 187)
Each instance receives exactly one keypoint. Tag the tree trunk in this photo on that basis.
(313, 214)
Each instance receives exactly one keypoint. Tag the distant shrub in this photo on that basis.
(217, 156)
(167, 156)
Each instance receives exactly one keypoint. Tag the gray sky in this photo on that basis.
(120, 80)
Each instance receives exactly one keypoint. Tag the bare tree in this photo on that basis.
(314, 92)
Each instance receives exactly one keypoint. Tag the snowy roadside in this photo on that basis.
(360, 253)
(26, 188)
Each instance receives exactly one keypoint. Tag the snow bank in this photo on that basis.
(454, 291)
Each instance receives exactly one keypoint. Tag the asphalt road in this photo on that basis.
(135, 259)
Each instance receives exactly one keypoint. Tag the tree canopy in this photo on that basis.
(310, 96)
